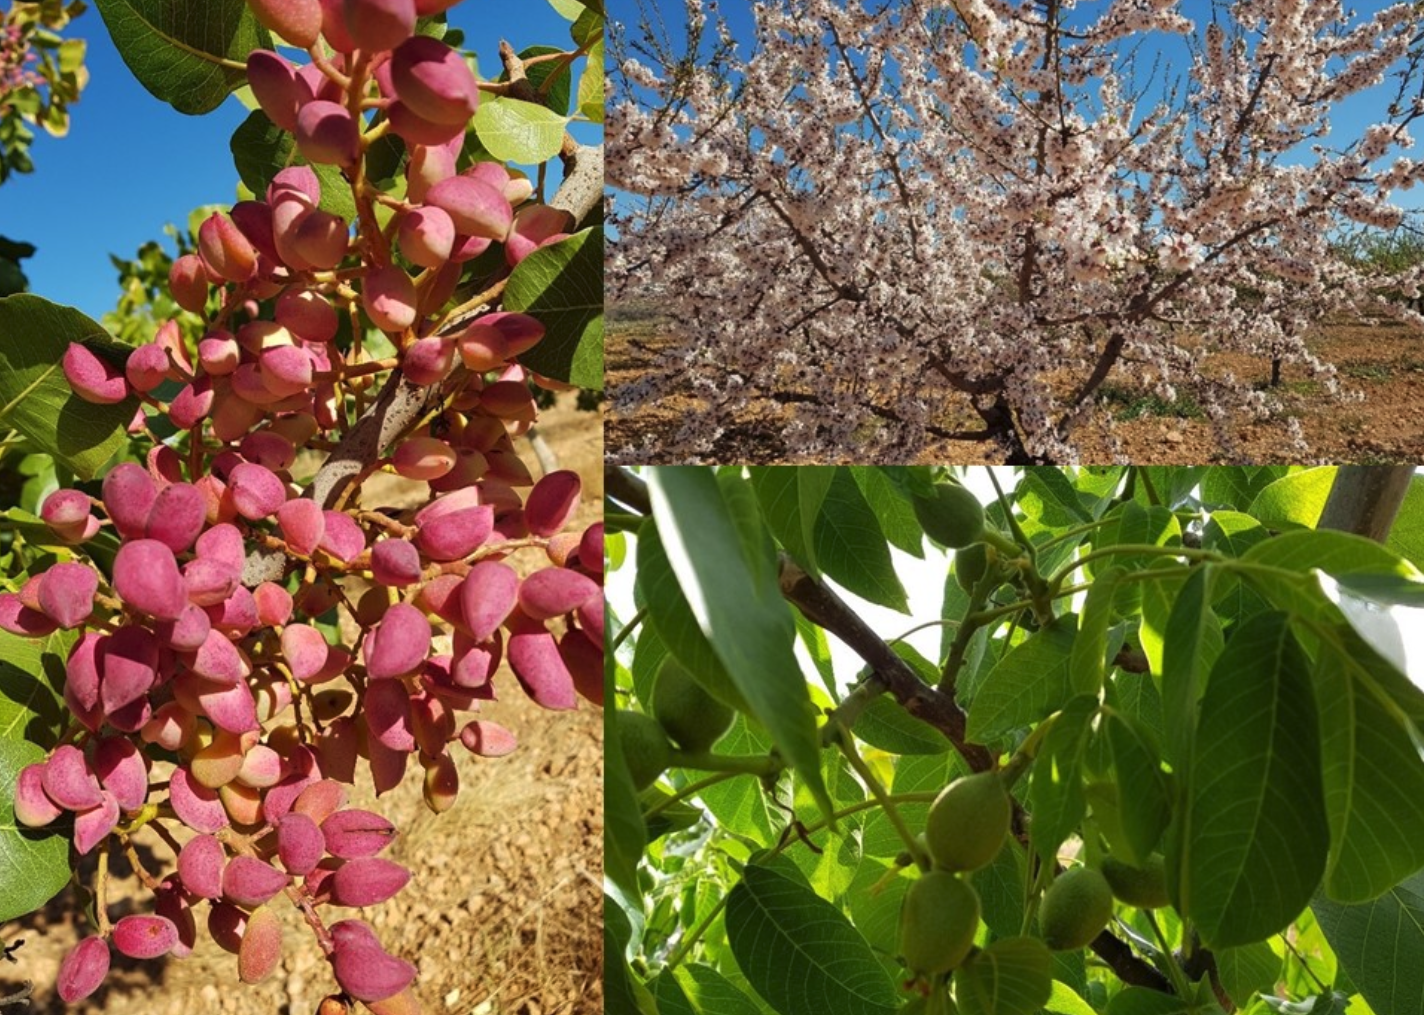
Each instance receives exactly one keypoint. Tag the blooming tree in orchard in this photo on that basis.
(235, 631)
(884, 211)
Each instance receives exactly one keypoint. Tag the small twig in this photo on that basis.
(19, 997)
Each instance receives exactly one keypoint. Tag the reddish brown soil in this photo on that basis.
(1383, 364)
(503, 915)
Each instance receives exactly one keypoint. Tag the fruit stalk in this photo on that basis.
(846, 743)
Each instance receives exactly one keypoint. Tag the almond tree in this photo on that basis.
(882, 215)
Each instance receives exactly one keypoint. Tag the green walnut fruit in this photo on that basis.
(692, 718)
(968, 822)
(1075, 909)
(645, 747)
(937, 923)
(951, 516)
(970, 565)
(1144, 887)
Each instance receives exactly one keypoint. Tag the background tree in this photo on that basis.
(878, 215)
(1134, 778)
(40, 75)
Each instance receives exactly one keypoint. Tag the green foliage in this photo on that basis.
(187, 55)
(34, 864)
(12, 278)
(562, 285)
(41, 74)
(261, 149)
(1187, 687)
(798, 951)
(144, 300)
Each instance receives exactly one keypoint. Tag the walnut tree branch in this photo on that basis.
(823, 607)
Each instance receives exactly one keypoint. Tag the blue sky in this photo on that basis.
(1347, 122)
(130, 163)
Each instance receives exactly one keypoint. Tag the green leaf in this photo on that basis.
(1013, 976)
(799, 952)
(885, 724)
(669, 995)
(1141, 1001)
(588, 29)
(1001, 891)
(1296, 499)
(738, 606)
(623, 816)
(261, 150)
(1237, 486)
(562, 285)
(1374, 779)
(1144, 806)
(671, 816)
(1246, 971)
(625, 991)
(739, 804)
(31, 682)
(1406, 536)
(1056, 797)
(1254, 834)
(34, 863)
(188, 53)
(1174, 483)
(35, 398)
(711, 993)
(1031, 681)
(556, 98)
(670, 616)
(1381, 945)
(892, 509)
(873, 903)
(1335, 553)
(1046, 494)
(1191, 645)
(590, 87)
(1089, 658)
(1233, 533)
(791, 500)
(1065, 1001)
(513, 130)
(569, 10)
(851, 548)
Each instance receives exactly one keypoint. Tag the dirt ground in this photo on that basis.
(1383, 364)
(503, 914)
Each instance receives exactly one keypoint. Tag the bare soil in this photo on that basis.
(503, 914)
(1382, 366)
